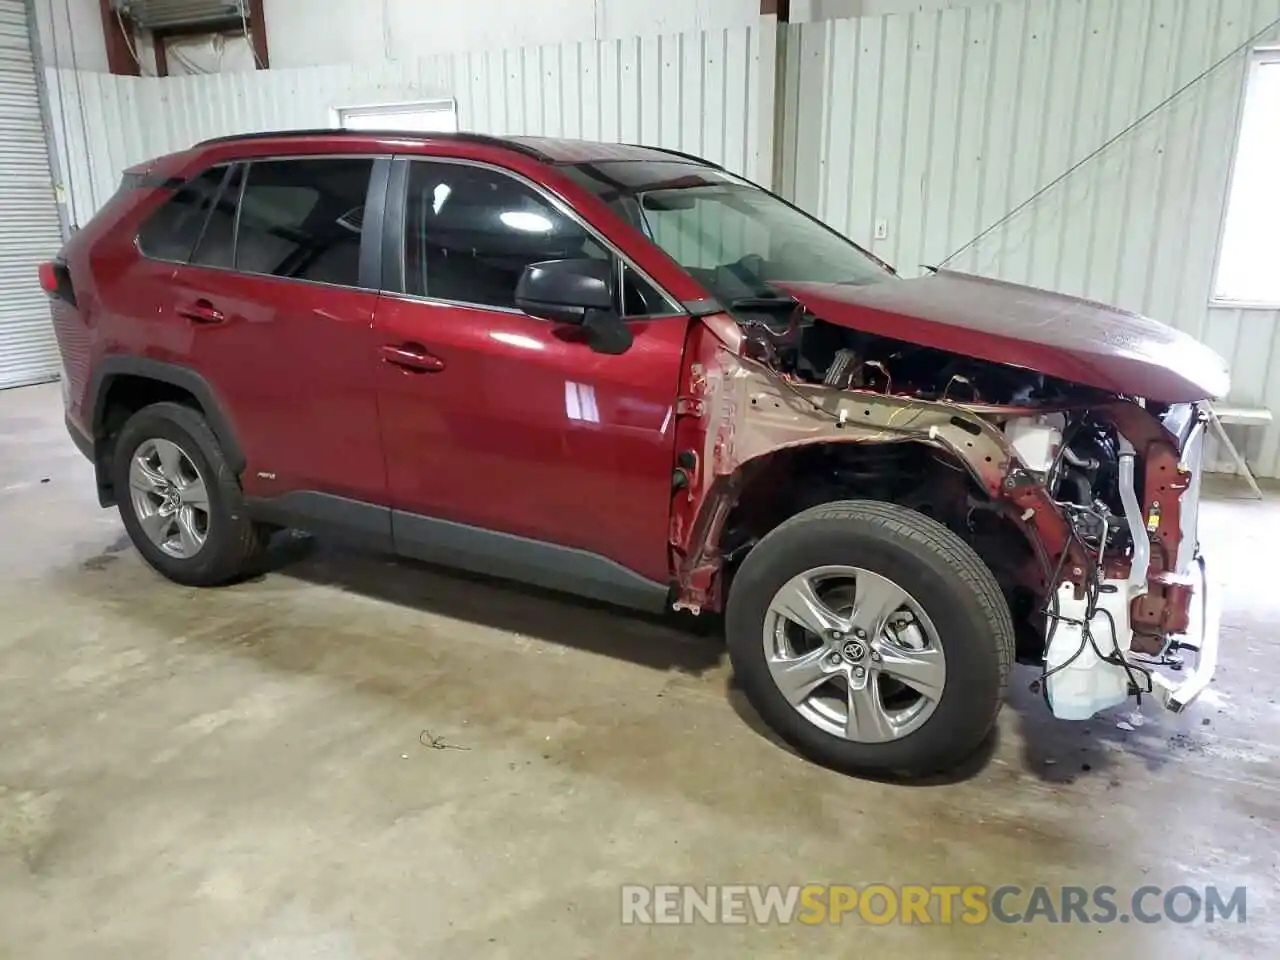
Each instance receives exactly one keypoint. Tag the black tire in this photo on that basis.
(945, 576)
(234, 544)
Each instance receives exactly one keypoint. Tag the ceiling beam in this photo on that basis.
(258, 35)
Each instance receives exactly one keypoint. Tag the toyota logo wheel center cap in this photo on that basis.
(853, 650)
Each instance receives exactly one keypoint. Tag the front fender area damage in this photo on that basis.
(735, 413)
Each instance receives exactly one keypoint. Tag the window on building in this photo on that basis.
(421, 116)
(302, 219)
(1247, 268)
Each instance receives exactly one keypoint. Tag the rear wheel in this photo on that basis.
(871, 638)
(180, 502)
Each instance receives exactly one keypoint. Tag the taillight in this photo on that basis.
(55, 280)
(49, 278)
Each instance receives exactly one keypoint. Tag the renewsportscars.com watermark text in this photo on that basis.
(881, 904)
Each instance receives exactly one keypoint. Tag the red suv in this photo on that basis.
(628, 374)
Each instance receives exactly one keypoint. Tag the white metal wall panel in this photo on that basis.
(941, 123)
(29, 228)
(690, 92)
(1250, 340)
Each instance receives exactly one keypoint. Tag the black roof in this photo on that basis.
(546, 149)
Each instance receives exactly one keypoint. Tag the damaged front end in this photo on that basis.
(1082, 501)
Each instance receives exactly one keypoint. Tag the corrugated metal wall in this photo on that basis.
(29, 229)
(686, 91)
(939, 124)
(1250, 340)
(942, 123)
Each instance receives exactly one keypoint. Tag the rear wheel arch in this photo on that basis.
(122, 385)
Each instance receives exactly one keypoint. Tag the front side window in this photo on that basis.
(735, 238)
(172, 231)
(302, 219)
(470, 233)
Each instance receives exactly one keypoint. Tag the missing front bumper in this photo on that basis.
(1179, 692)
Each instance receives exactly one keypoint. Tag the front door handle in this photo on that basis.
(412, 356)
(202, 311)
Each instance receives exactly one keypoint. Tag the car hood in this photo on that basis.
(1065, 337)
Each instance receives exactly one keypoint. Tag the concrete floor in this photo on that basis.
(242, 772)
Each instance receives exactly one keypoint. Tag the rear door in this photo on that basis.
(275, 309)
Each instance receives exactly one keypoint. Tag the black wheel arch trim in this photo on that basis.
(114, 366)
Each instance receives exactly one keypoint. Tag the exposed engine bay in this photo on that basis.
(1075, 454)
(1095, 554)
(797, 344)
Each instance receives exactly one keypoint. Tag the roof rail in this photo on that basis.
(678, 153)
(478, 138)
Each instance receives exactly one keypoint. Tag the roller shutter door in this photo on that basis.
(29, 231)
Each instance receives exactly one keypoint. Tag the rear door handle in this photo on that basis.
(202, 311)
(412, 356)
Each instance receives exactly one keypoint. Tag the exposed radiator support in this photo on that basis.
(1141, 561)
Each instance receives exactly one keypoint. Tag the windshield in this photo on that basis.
(735, 238)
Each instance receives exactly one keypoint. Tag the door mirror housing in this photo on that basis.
(564, 290)
(580, 292)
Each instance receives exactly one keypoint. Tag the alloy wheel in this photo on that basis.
(170, 499)
(854, 653)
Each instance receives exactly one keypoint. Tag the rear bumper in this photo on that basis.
(1177, 692)
(83, 442)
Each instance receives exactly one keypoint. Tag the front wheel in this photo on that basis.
(871, 638)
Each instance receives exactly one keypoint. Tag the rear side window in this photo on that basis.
(302, 219)
(172, 231)
(216, 247)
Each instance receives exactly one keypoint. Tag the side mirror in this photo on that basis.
(579, 292)
(564, 290)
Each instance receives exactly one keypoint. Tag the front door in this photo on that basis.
(497, 421)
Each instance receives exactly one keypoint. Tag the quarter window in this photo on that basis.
(172, 231)
(471, 232)
(302, 219)
(640, 298)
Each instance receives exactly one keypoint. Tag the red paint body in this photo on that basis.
(497, 419)
(295, 364)
(1075, 340)
(526, 431)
